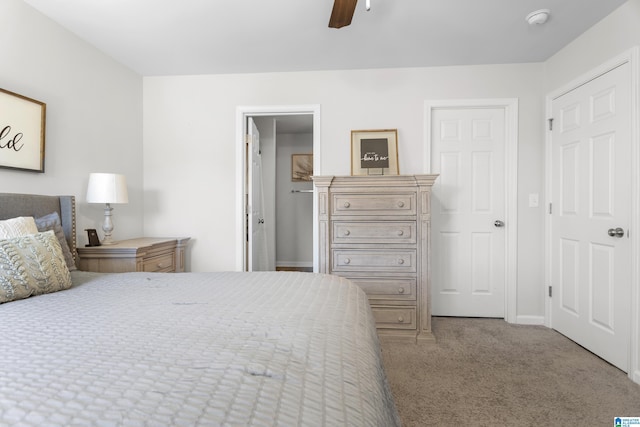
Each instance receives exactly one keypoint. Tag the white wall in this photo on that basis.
(94, 113)
(189, 144)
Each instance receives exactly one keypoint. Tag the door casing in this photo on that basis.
(242, 113)
(631, 56)
(510, 106)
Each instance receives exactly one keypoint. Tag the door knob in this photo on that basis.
(498, 223)
(616, 232)
(261, 221)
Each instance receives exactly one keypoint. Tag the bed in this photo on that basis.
(188, 349)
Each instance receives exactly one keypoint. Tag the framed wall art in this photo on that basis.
(301, 167)
(22, 129)
(374, 152)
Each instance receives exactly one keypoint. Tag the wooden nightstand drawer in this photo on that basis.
(351, 232)
(389, 260)
(148, 254)
(387, 288)
(374, 204)
(395, 317)
(161, 264)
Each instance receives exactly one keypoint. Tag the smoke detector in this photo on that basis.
(538, 17)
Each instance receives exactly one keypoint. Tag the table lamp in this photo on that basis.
(107, 188)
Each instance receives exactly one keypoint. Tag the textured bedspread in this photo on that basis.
(207, 349)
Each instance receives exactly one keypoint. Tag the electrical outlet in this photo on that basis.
(534, 201)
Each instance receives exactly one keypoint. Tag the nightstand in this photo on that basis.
(150, 254)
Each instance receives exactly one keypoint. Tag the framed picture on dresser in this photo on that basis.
(22, 129)
(374, 152)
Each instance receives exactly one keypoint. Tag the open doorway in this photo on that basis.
(278, 226)
(283, 237)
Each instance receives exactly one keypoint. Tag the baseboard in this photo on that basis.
(530, 320)
(302, 269)
(294, 264)
(635, 377)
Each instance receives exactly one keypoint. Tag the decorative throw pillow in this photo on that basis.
(32, 265)
(52, 222)
(16, 227)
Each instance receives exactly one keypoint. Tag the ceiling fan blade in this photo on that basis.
(342, 13)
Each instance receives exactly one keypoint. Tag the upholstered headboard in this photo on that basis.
(13, 205)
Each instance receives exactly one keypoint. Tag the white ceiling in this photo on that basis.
(177, 37)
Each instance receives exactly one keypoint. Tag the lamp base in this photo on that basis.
(107, 227)
(106, 242)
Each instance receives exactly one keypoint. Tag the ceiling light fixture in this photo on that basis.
(538, 17)
(368, 4)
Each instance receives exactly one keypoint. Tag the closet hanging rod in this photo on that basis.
(302, 191)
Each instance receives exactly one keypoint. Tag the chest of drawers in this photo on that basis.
(374, 230)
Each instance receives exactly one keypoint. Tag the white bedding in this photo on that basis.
(208, 349)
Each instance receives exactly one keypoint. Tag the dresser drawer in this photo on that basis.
(395, 317)
(387, 288)
(373, 204)
(374, 232)
(159, 263)
(388, 260)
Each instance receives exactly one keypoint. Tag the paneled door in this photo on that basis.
(590, 215)
(468, 212)
(257, 236)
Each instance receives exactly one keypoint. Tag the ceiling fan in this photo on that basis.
(342, 12)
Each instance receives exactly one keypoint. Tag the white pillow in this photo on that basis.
(32, 265)
(52, 222)
(17, 227)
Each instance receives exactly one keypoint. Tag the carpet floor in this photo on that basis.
(486, 372)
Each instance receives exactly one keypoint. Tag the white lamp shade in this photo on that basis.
(107, 188)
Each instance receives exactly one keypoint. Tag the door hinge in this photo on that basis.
(550, 291)
(550, 208)
(247, 139)
(550, 124)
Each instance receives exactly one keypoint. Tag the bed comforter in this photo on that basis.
(194, 349)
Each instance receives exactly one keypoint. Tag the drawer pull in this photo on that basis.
(347, 204)
(159, 265)
(400, 233)
(400, 204)
(347, 261)
(401, 290)
(347, 232)
(400, 319)
(400, 261)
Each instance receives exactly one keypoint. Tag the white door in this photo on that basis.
(468, 212)
(257, 244)
(591, 191)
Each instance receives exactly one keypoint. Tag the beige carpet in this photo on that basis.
(486, 372)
